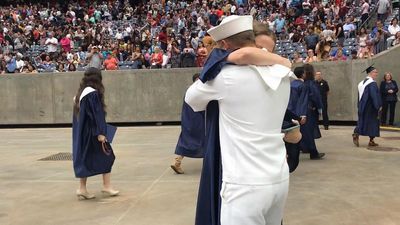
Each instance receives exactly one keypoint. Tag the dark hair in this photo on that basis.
(299, 71)
(92, 78)
(195, 76)
(309, 72)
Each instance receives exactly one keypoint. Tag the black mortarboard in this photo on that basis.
(369, 69)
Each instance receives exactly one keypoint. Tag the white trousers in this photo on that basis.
(253, 204)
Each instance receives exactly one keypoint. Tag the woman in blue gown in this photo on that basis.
(89, 134)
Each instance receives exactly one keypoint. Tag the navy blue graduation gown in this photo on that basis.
(209, 201)
(310, 130)
(298, 101)
(192, 137)
(368, 111)
(88, 156)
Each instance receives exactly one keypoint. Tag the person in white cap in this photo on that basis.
(252, 102)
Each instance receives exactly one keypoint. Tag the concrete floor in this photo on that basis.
(352, 186)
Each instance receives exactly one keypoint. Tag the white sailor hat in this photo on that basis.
(230, 26)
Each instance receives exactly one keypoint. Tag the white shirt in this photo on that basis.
(393, 29)
(252, 105)
(53, 42)
(365, 8)
(383, 6)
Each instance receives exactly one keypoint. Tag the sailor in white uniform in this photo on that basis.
(252, 103)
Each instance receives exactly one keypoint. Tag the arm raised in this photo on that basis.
(256, 56)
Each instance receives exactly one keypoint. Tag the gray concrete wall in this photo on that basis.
(156, 95)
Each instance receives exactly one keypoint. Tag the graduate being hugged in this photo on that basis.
(369, 106)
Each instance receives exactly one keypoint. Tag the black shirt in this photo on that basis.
(323, 89)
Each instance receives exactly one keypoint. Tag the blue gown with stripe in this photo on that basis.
(368, 111)
(88, 156)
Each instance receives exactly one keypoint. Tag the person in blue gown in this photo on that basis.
(297, 107)
(191, 139)
(89, 135)
(369, 106)
(310, 130)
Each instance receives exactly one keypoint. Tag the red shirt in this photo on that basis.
(162, 37)
(111, 64)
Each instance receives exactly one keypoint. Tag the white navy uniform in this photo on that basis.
(252, 103)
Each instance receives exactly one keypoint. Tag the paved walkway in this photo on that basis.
(352, 186)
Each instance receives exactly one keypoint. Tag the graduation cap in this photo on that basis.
(369, 69)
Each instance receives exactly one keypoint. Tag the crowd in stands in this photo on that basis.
(114, 35)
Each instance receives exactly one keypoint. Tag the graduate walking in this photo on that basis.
(192, 137)
(369, 106)
(310, 130)
(89, 135)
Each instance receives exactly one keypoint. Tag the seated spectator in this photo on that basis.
(339, 56)
(137, 58)
(71, 67)
(11, 66)
(111, 63)
(393, 29)
(30, 68)
(60, 68)
(397, 40)
(349, 28)
(354, 54)
(156, 59)
(379, 42)
(297, 58)
(19, 62)
(310, 57)
(364, 42)
(378, 27)
(201, 55)
(323, 46)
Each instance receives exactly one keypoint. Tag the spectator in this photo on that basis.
(311, 39)
(339, 56)
(137, 58)
(280, 26)
(297, 58)
(379, 42)
(383, 9)
(364, 11)
(201, 55)
(349, 28)
(156, 58)
(95, 58)
(163, 38)
(111, 63)
(52, 44)
(364, 42)
(389, 91)
(393, 29)
(71, 67)
(66, 43)
(310, 57)
(397, 40)
(19, 62)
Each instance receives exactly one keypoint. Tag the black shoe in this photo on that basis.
(326, 127)
(319, 156)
